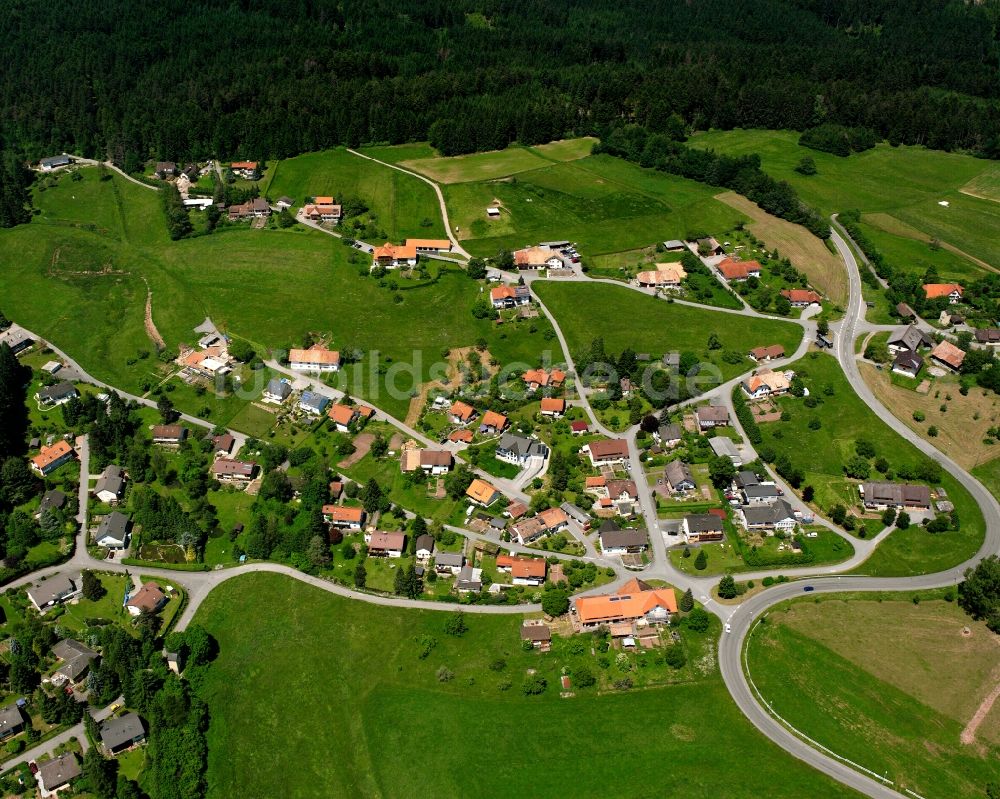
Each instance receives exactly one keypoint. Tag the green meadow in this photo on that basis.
(401, 202)
(85, 289)
(323, 696)
(905, 182)
(602, 203)
(586, 311)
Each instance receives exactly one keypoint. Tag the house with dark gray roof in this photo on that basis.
(58, 394)
(277, 391)
(11, 721)
(678, 477)
(521, 450)
(621, 542)
(53, 499)
(777, 516)
(54, 162)
(57, 772)
(122, 733)
(57, 588)
(113, 531)
(700, 527)
(424, 546)
(110, 487)
(448, 562)
(761, 494)
(669, 435)
(75, 658)
(746, 478)
(910, 338)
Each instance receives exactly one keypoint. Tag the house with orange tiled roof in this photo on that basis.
(546, 522)
(523, 571)
(538, 258)
(953, 291)
(765, 383)
(460, 436)
(51, 458)
(767, 353)
(343, 516)
(800, 298)
(248, 170)
(535, 379)
(948, 355)
(634, 604)
(509, 296)
(342, 416)
(315, 359)
(393, 256)
(553, 406)
(323, 212)
(429, 245)
(461, 412)
(664, 276)
(482, 493)
(493, 423)
(737, 271)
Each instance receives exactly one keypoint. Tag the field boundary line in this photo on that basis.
(795, 731)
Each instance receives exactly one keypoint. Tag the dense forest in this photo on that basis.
(271, 78)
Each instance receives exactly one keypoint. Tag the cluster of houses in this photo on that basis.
(210, 359)
(61, 588)
(557, 255)
(906, 345)
(399, 256)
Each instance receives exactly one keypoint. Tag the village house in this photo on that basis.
(509, 296)
(711, 416)
(248, 170)
(148, 599)
(538, 633)
(429, 246)
(112, 533)
(394, 256)
(761, 493)
(734, 271)
(11, 721)
(424, 547)
(800, 298)
(343, 416)
(461, 413)
(57, 773)
(208, 362)
(223, 443)
(165, 169)
(623, 496)
(460, 436)
(284, 202)
(54, 162)
(674, 245)
(908, 339)
(904, 496)
(577, 514)
(344, 517)
(579, 427)
(635, 603)
(74, 660)
(761, 354)
(326, 212)
(710, 246)
(521, 451)
(232, 471)
(701, 527)
(482, 493)
(52, 500)
(277, 391)
(547, 522)
(493, 423)
(523, 571)
(251, 209)
(313, 403)
(51, 458)
(665, 276)
(615, 541)
(386, 545)
(449, 563)
(953, 291)
(538, 258)
(907, 363)
(904, 311)
(122, 733)
(770, 518)
(54, 590)
(190, 173)
(315, 359)
(765, 383)
(724, 447)
(59, 394)
(433, 461)
(470, 579)
(948, 355)
(988, 336)
(552, 406)
(535, 379)
(678, 478)
(606, 451)
(170, 435)
(110, 486)
(668, 435)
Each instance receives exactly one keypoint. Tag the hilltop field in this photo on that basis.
(898, 190)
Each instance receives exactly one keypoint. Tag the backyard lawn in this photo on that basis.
(887, 683)
(381, 703)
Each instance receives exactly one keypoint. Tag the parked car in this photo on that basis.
(32, 766)
(808, 588)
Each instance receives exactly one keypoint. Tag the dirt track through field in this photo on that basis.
(895, 227)
(968, 735)
(151, 330)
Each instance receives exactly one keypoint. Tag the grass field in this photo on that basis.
(400, 201)
(602, 203)
(985, 185)
(822, 453)
(656, 326)
(906, 182)
(807, 253)
(888, 684)
(268, 286)
(909, 249)
(961, 427)
(358, 713)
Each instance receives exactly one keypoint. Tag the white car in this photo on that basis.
(728, 628)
